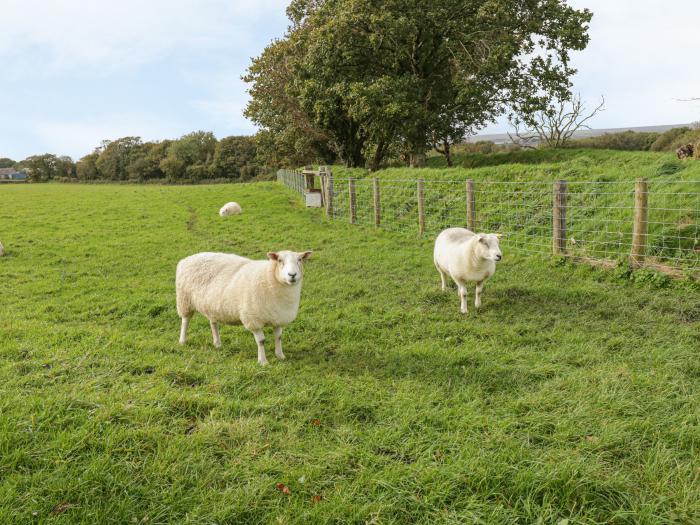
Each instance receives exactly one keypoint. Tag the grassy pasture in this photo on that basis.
(514, 196)
(573, 395)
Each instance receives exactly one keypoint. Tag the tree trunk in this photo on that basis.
(376, 160)
(448, 153)
(417, 160)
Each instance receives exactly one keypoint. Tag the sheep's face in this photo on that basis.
(487, 247)
(289, 268)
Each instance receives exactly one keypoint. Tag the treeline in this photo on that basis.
(364, 81)
(195, 157)
(669, 140)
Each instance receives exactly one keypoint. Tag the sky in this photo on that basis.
(73, 72)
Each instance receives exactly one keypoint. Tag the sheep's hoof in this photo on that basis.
(263, 363)
(464, 311)
(281, 356)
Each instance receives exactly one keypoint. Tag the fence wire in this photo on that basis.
(599, 216)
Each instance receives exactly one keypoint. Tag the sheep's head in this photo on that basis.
(487, 246)
(289, 268)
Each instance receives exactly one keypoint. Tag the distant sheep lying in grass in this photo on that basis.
(229, 289)
(230, 208)
(466, 257)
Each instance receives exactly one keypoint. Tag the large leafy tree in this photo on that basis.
(288, 135)
(114, 157)
(408, 71)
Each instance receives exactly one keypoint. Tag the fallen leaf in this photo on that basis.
(316, 498)
(284, 489)
(316, 422)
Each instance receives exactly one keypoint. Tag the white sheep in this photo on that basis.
(230, 208)
(466, 257)
(229, 289)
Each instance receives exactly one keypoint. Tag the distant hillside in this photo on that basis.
(503, 138)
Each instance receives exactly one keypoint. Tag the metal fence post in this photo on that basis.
(559, 218)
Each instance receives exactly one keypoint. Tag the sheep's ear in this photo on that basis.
(305, 255)
(273, 256)
(481, 237)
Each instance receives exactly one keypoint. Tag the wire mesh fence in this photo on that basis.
(654, 223)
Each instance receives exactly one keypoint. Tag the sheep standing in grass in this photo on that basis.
(229, 289)
(230, 208)
(466, 257)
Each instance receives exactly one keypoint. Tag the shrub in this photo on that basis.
(691, 136)
(626, 141)
(663, 143)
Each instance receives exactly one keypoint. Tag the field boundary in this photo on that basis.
(647, 223)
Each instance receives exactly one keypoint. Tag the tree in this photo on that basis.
(115, 156)
(43, 168)
(193, 149)
(146, 164)
(553, 126)
(288, 135)
(6, 163)
(86, 167)
(235, 158)
(401, 72)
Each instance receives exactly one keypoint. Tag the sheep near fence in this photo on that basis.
(650, 223)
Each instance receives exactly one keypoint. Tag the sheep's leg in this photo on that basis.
(278, 342)
(442, 277)
(260, 339)
(462, 289)
(479, 288)
(215, 333)
(183, 330)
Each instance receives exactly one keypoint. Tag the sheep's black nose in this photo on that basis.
(292, 275)
(498, 257)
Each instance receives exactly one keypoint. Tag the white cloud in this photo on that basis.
(110, 35)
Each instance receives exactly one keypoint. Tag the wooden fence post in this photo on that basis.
(353, 199)
(421, 207)
(329, 194)
(641, 223)
(471, 206)
(377, 202)
(559, 218)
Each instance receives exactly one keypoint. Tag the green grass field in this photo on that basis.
(514, 196)
(572, 397)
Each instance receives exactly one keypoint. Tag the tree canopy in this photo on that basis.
(372, 78)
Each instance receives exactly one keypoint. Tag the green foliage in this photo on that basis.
(569, 397)
(667, 138)
(235, 158)
(6, 163)
(626, 141)
(86, 168)
(403, 75)
(194, 157)
(116, 156)
(46, 167)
